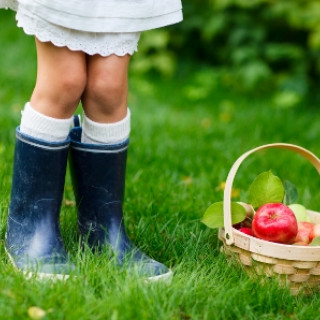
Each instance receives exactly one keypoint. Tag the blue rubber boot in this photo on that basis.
(98, 174)
(33, 238)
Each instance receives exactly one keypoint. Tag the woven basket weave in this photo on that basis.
(295, 266)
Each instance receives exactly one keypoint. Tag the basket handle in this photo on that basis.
(315, 161)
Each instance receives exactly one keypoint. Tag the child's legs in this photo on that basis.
(61, 79)
(33, 235)
(105, 96)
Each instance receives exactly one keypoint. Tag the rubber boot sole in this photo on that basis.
(38, 275)
(163, 278)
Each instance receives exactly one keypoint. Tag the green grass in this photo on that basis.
(186, 134)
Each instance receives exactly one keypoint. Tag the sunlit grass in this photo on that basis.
(186, 133)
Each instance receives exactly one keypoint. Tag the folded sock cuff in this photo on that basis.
(38, 125)
(105, 133)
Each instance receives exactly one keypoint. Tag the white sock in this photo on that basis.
(105, 133)
(37, 125)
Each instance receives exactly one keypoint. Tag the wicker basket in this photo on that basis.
(295, 266)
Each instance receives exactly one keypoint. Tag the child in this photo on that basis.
(83, 54)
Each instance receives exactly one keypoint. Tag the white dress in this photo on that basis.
(94, 26)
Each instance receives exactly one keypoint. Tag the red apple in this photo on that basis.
(305, 231)
(246, 230)
(275, 222)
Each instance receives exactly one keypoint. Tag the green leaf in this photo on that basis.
(266, 188)
(213, 217)
(291, 193)
(315, 242)
(300, 212)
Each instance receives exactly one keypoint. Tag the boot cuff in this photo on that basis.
(41, 143)
(75, 137)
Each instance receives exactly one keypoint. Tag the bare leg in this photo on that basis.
(99, 162)
(33, 238)
(61, 79)
(105, 96)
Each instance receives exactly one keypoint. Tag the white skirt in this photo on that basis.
(101, 43)
(104, 15)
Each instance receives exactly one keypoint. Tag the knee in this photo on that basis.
(71, 87)
(109, 92)
(59, 98)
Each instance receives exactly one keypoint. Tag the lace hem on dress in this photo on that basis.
(104, 44)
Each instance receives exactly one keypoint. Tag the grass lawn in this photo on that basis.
(186, 133)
